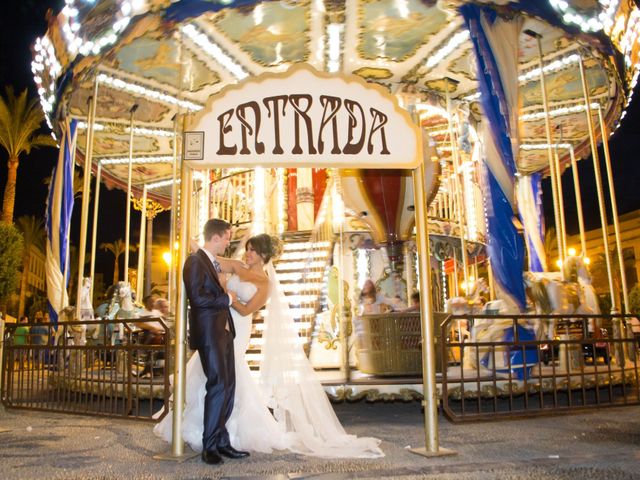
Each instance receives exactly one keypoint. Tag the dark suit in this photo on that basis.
(208, 319)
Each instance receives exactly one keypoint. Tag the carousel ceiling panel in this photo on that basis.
(116, 104)
(272, 33)
(97, 17)
(404, 45)
(396, 30)
(158, 58)
(108, 144)
(566, 85)
(568, 128)
(141, 174)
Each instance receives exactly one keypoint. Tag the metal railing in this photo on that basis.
(511, 366)
(121, 371)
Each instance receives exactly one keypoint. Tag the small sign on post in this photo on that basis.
(193, 146)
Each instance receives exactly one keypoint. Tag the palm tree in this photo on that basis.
(20, 120)
(32, 229)
(117, 248)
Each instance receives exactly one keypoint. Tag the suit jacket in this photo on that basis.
(209, 302)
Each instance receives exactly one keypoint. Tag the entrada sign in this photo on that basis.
(302, 118)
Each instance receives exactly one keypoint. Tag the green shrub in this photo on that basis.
(10, 259)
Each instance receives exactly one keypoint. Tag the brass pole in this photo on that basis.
(94, 238)
(563, 226)
(547, 127)
(430, 402)
(459, 194)
(179, 374)
(614, 209)
(128, 213)
(84, 216)
(576, 187)
(596, 169)
(173, 218)
(142, 245)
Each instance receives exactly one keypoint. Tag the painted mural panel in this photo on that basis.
(272, 33)
(396, 30)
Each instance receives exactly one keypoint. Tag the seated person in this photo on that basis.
(369, 301)
(21, 338)
(153, 332)
(415, 303)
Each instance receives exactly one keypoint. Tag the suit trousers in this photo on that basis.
(219, 367)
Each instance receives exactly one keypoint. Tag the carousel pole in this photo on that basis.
(179, 374)
(177, 452)
(576, 187)
(173, 222)
(563, 226)
(547, 126)
(94, 229)
(596, 169)
(459, 197)
(128, 215)
(84, 217)
(142, 245)
(430, 394)
(614, 208)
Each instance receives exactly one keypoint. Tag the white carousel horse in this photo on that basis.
(550, 294)
(121, 306)
(488, 330)
(86, 307)
(126, 308)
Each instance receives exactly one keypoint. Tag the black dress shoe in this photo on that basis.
(212, 457)
(231, 452)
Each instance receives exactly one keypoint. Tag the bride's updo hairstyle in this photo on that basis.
(266, 246)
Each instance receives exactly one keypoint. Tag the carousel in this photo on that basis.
(501, 93)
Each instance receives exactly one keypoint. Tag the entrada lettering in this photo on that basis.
(311, 135)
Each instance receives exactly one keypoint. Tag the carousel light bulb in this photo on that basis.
(559, 263)
(176, 245)
(166, 256)
(587, 260)
(572, 252)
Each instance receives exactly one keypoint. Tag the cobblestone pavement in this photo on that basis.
(602, 444)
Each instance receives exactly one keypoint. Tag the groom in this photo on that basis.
(211, 333)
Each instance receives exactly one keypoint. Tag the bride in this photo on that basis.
(303, 420)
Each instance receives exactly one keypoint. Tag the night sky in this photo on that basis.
(21, 24)
(24, 20)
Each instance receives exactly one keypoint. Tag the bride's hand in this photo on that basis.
(193, 245)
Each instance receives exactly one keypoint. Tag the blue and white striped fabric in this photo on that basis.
(495, 43)
(529, 195)
(58, 222)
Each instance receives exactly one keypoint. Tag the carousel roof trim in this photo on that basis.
(419, 43)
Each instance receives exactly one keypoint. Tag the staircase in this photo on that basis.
(301, 271)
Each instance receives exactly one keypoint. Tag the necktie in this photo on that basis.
(216, 265)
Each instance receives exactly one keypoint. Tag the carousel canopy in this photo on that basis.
(168, 58)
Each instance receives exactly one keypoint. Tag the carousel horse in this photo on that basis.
(550, 294)
(473, 304)
(491, 330)
(86, 307)
(126, 308)
(120, 306)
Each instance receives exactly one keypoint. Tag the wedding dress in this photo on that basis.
(251, 425)
(303, 419)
